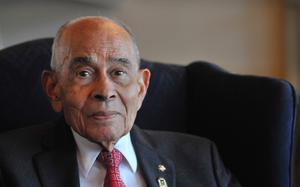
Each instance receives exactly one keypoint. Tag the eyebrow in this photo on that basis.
(122, 61)
(86, 60)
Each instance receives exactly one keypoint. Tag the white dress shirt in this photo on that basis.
(92, 172)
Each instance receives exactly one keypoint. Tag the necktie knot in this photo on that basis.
(112, 161)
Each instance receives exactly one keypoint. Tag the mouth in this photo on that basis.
(104, 115)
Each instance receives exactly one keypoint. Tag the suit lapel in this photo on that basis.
(154, 166)
(57, 164)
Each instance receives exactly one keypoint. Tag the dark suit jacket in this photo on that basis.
(45, 155)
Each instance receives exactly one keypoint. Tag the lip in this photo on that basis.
(104, 115)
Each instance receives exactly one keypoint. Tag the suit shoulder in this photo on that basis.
(171, 139)
(176, 135)
(27, 130)
(28, 135)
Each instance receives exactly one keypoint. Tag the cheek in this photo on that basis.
(73, 102)
(131, 102)
(74, 97)
(131, 97)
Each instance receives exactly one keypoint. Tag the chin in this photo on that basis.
(105, 134)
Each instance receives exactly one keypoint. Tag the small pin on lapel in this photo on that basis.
(162, 182)
(162, 168)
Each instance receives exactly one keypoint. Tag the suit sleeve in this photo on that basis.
(224, 177)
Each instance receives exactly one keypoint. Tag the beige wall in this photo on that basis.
(293, 45)
(25, 20)
(243, 36)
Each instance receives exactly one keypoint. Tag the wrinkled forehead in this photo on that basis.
(94, 37)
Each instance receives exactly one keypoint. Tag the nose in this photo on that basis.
(104, 90)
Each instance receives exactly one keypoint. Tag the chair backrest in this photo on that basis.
(250, 118)
(296, 147)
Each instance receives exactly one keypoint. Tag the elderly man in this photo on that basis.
(97, 84)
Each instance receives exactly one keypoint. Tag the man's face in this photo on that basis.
(99, 86)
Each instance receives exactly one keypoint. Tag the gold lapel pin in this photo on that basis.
(162, 168)
(162, 182)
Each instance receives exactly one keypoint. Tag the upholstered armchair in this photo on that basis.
(250, 118)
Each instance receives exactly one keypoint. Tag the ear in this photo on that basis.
(51, 88)
(144, 80)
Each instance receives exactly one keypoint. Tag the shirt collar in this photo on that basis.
(87, 152)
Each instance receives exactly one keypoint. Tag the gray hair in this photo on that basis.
(54, 64)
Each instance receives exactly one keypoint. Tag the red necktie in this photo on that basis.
(112, 161)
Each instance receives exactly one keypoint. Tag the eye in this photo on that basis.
(119, 73)
(120, 76)
(84, 73)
